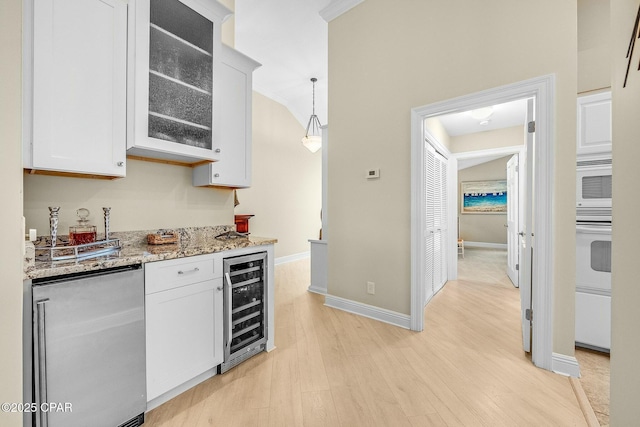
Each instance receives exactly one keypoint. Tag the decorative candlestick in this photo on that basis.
(53, 224)
(107, 212)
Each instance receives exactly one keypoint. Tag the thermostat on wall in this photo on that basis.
(373, 173)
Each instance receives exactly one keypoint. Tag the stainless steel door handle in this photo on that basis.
(228, 316)
(40, 356)
(195, 270)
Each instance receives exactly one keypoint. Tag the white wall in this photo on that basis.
(419, 54)
(625, 319)
(11, 210)
(498, 138)
(285, 196)
(153, 195)
(594, 45)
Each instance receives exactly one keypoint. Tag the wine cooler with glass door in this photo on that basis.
(245, 308)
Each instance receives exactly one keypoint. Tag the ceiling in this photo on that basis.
(290, 39)
(505, 115)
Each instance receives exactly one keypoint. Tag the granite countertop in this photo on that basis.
(135, 250)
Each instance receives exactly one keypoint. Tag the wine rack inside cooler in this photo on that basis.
(245, 308)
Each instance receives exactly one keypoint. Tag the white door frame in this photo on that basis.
(543, 89)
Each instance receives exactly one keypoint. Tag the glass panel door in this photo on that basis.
(247, 303)
(180, 74)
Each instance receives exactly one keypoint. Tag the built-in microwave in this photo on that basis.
(593, 190)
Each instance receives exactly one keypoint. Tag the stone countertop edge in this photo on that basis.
(135, 250)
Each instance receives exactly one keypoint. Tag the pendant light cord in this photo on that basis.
(313, 96)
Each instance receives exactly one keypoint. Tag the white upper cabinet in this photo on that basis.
(234, 145)
(174, 52)
(75, 70)
(594, 124)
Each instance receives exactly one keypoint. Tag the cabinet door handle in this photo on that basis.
(195, 270)
(220, 288)
(120, 164)
(40, 356)
(217, 150)
(217, 175)
(228, 317)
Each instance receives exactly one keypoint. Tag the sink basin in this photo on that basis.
(232, 235)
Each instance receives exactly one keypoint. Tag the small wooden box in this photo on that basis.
(162, 239)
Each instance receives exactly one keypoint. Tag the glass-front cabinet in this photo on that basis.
(174, 57)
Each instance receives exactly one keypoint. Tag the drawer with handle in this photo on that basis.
(170, 274)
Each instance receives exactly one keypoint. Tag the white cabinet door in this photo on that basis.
(184, 334)
(234, 145)
(594, 124)
(76, 86)
(174, 53)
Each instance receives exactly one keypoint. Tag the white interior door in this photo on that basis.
(513, 226)
(526, 233)
(429, 227)
(441, 234)
(435, 238)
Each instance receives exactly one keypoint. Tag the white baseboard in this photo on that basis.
(317, 290)
(370, 311)
(565, 365)
(468, 244)
(154, 403)
(291, 258)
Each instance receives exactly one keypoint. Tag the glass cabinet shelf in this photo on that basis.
(180, 75)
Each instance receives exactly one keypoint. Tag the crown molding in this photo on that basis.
(337, 8)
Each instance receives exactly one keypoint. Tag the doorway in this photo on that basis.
(540, 89)
(499, 227)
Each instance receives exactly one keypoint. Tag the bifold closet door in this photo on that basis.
(435, 221)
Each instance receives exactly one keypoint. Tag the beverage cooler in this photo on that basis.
(245, 305)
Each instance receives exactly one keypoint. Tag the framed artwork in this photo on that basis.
(483, 197)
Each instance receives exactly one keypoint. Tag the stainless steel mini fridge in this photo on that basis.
(89, 349)
(245, 308)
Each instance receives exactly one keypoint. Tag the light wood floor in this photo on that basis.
(595, 380)
(332, 368)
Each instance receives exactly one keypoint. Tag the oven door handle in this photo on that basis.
(593, 229)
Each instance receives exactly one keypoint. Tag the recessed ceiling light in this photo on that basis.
(482, 113)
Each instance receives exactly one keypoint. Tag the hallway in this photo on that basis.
(332, 368)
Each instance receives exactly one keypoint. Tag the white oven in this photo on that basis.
(593, 256)
(593, 190)
(593, 285)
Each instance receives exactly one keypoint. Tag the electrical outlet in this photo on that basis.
(371, 288)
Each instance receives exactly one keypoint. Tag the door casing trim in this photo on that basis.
(543, 90)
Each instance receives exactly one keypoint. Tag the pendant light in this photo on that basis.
(312, 138)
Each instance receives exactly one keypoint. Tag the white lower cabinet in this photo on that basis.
(184, 321)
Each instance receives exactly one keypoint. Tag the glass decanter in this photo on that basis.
(83, 232)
